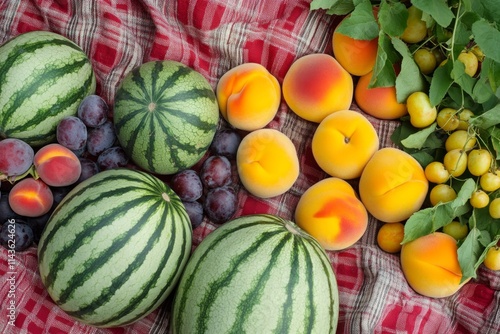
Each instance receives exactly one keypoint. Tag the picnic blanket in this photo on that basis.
(212, 36)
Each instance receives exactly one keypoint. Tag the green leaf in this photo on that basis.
(423, 157)
(417, 140)
(361, 23)
(333, 5)
(440, 83)
(463, 79)
(409, 79)
(383, 71)
(469, 253)
(487, 119)
(392, 17)
(461, 38)
(431, 219)
(438, 9)
(489, 9)
(491, 70)
(487, 38)
(482, 90)
(495, 140)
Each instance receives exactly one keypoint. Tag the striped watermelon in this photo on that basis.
(257, 274)
(165, 115)
(43, 78)
(114, 248)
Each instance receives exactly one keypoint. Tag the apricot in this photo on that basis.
(31, 198)
(316, 85)
(392, 185)
(56, 165)
(380, 102)
(331, 212)
(343, 143)
(356, 56)
(248, 96)
(390, 236)
(267, 163)
(430, 265)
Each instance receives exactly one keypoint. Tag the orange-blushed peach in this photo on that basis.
(392, 185)
(380, 102)
(57, 165)
(356, 56)
(331, 212)
(316, 85)
(248, 96)
(267, 163)
(31, 197)
(430, 265)
(343, 143)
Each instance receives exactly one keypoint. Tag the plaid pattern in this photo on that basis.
(212, 37)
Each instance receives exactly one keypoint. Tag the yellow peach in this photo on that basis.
(430, 265)
(331, 212)
(316, 85)
(380, 102)
(343, 143)
(392, 185)
(249, 96)
(267, 163)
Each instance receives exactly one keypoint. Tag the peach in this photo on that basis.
(31, 198)
(356, 56)
(248, 96)
(343, 143)
(392, 185)
(331, 212)
(430, 265)
(56, 165)
(316, 85)
(267, 163)
(380, 102)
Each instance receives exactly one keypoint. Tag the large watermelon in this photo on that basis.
(114, 248)
(43, 78)
(257, 274)
(165, 115)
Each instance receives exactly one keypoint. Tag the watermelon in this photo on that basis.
(257, 274)
(165, 115)
(114, 248)
(43, 78)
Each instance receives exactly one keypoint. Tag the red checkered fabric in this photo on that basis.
(213, 36)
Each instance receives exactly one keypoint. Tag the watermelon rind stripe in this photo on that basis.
(306, 267)
(72, 97)
(175, 103)
(99, 260)
(224, 279)
(19, 52)
(154, 278)
(158, 68)
(120, 279)
(150, 198)
(190, 279)
(254, 295)
(91, 227)
(309, 316)
(43, 78)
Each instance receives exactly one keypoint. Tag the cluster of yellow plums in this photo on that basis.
(465, 152)
(466, 155)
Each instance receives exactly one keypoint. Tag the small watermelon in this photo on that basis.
(257, 274)
(114, 248)
(165, 115)
(43, 78)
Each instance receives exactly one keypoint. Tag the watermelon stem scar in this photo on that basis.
(165, 197)
(152, 106)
